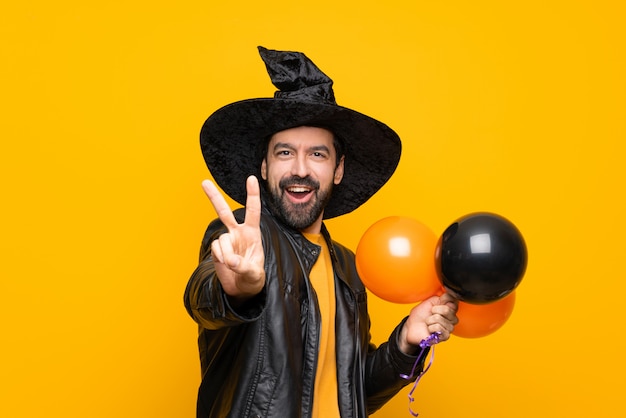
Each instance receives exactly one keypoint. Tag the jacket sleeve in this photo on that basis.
(204, 297)
(384, 368)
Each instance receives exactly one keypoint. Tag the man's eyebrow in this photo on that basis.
(320, 148)
(286, 145)
(283, 145)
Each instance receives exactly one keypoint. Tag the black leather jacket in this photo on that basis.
(260, 360)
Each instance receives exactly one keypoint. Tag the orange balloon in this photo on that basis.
(395, 258)
(481, 320)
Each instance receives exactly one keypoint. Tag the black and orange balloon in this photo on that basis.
(395, 260)
(481, 258)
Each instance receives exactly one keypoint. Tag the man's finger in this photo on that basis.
(253, 202)
(229, 257)
(216, 251)
(219, 204)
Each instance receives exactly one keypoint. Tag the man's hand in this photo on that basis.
(238, 255)
(435, 314)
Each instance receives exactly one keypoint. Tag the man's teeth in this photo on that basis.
(298, 189)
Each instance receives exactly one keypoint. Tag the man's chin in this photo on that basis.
(299, 217)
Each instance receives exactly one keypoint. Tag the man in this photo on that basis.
(282, 313)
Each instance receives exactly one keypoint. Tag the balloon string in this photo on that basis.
(424, 344)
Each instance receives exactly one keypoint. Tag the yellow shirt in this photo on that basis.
(325, 403)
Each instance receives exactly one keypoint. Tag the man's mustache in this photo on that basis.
(299, 181)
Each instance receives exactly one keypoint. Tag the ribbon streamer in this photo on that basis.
(424, 344)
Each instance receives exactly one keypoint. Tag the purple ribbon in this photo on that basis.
(424, 344)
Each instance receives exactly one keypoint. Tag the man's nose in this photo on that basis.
(300, 167)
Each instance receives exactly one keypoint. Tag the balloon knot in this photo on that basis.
(433, 339)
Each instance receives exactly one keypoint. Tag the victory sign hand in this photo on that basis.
(238, 255)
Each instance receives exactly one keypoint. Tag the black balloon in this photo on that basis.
(481, 258)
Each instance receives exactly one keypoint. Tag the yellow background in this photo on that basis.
(511, 107)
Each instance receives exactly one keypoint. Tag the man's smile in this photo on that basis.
(299, 194)
(299, 190)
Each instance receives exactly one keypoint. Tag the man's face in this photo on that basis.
(300, 169)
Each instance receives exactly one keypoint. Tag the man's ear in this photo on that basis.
(264, 169)
(339, 170)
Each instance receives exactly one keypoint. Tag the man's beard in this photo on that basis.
(298, 216)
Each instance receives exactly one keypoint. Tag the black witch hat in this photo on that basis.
(232, 137)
